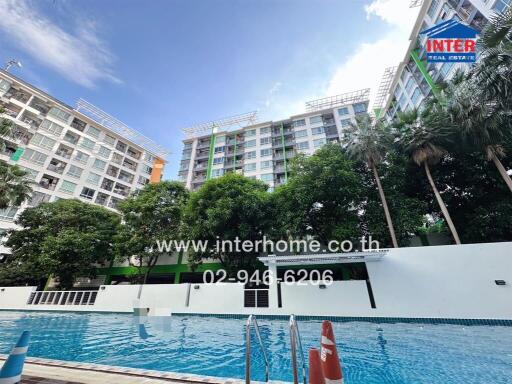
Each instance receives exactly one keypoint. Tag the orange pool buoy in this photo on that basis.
(316, 376)
(329, 355)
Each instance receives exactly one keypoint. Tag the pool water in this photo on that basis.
(370, 352)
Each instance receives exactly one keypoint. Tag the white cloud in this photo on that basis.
(270, 96)
(365, 66)
(80, 56)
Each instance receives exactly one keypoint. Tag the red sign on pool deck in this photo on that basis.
(450, 41)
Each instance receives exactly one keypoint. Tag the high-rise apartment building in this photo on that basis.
(263, 151)
(70, 152)
(414, 78)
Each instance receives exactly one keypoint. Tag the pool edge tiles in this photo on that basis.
(132, 372)
(342, 319)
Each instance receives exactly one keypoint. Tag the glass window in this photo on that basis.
(264, 130)
(415, 96)
(93, 131)
(31, 173)
(109, 139)
(8, 213)
(104, 152)
(87, 143)
(217, 172)
(302, 133)
(218, 140)
(149, 158)
(265, 140)
(93, 178)
(121, 146)
(67, 186)
(250, 143)
(409, 85)
(345, 123)
(216, 160)
(501, 5)
(250, 167)
(317, 130)
(99, 164)
(433, 8)
(219, 149)
(303, 145)
(51, 127)
(75, 171)
(81, 157)
(343, 111)
(38, 198)
(34, 156)
(315, 120)
(318, 143)
(360, 107)
(299, 123)
(4, 85)
(142, 180)
(267, 177)
(148, 169)
(71, 137)
(266, 164)
(250, 133)
(87, 193)
(59, 114)
(250, 155)
(265, 152)
(42, 141)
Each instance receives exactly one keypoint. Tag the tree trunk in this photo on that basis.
(385, 206)
(502, 170)
(442, 205)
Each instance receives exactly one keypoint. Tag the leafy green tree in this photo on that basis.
(321, 198)
(421, 137)
(65, 239)
(228, 208)
(15, 187)
(152, 214)
(5, 128)
(368, 141)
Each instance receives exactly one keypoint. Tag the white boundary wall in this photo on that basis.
(439, 282)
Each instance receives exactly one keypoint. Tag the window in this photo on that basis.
(8, 213)
(265, 152)
(131, 164)
(107, 184)
(266, 164)
(409, 85)
(87, 193)
(143, 181)
(59, 114)
(101, 198)
(343, 111)
(99, 164)
(303, 145)
(315, 120)
(216, 160)
(218, 140)
(4, 85)
(31, 173)
(67, 186)
(71, 137)
(81, 157)
(34, 156)
(87, 143)
(121, 189)
(133, 153)
(250, 143)
(265, 140)
(126, 177)
(360, 107)
(64, 151)
(75, 171)
(104, 152)
(250, 133)
(109, 140)
(150, 158)
(51, 127)
(42, 141)
(250, 167)
(445, 68)
(299, 123)
(301, 133)
(403, 100)
(264, 130)
(78, 124)
(147, 169)
(38, 198)
(501, 5)
(93, 131)
(415, 96)
(250, 155)
(219, 149)
(121, 146)
(217, 172)
(267, 177)
(112, 171)
(317, 130)
(117, 158)
(56, 166)
(318, 143)
(345, 123)
(93, 178)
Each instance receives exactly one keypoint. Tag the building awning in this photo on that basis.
(324, 258)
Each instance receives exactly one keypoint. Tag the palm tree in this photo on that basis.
(421, 135)
(367, 141)
(15, 187)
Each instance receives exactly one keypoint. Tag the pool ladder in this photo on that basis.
(295, 341)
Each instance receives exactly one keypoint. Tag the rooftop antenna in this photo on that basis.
(13, 62)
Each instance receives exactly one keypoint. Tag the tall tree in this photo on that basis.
(368, 141)
(152, 214)
(15, 187)
(66, 239)
(228, 208)
(421, 137)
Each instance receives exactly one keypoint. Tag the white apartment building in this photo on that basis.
(78, 153)
(414, 78)
(263, 151)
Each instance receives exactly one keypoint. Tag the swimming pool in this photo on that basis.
(371, 352)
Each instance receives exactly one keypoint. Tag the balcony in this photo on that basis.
(19, 95)
(121, 189)
(101, 199)
(39, 105)
(48, 182)
(57, 166)
(64, 151)
(78, 124)
(126, 177)
(130, 164)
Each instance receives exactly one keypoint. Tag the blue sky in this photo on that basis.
(163, 65)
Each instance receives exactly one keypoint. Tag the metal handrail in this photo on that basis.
(295, 340)
(250, 321)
